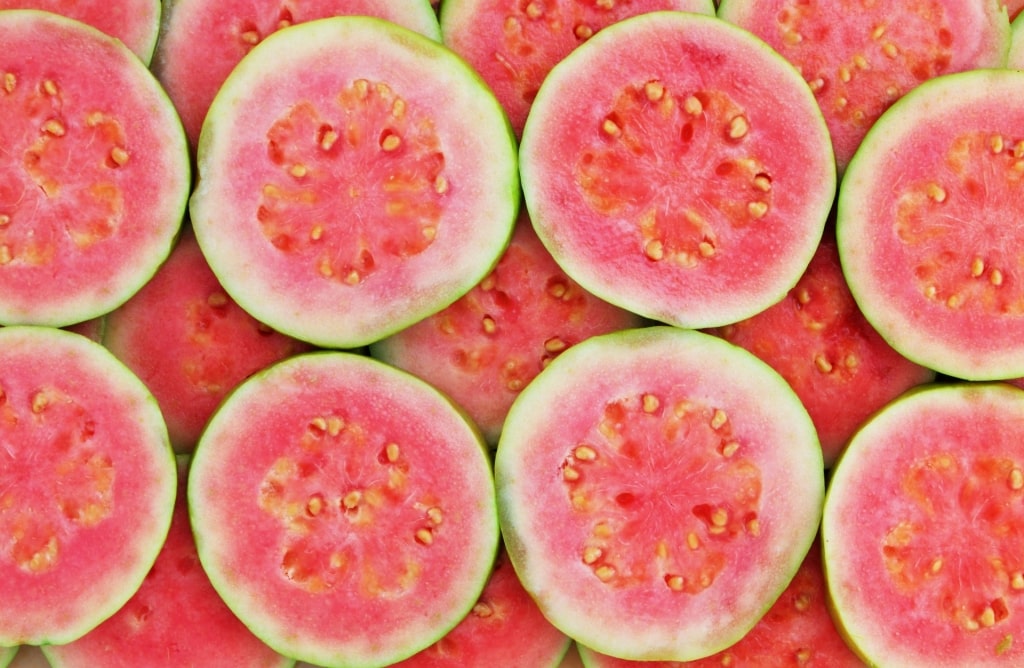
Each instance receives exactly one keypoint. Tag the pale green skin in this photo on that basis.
(1015, 57)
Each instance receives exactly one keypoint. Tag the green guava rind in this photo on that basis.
(663, 212)
(96, 173)
(954, 305)
(1015, 57)
(735, 437)
(470, 207)
(100, 483)
(914, 529)
(201, 42)
(296, 584)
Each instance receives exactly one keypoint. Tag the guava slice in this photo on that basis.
(343, 509)
(797, 631)
(513, 45)
(94, 175)
(189, 342)
(340, 197)
(201, 41)
(175, 618)
(135, 22)
(927, 225)
(820, 342)
(658, 488)
(859, 57)
(923, 551)
(483, 349)
(87, 484)
(682, 192)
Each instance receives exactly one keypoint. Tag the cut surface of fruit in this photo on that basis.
(921, 530)
(343, 509)
(698, 175)
(340, 199)
(87, 484)
(658, 488)
(928, 229)
(859, 57)
(94, 175)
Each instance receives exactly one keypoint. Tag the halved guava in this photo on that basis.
(514, 44)
(678, 167)
(136, 23)
(657, 489)
(484, 349)
(87, 484)
(94, 173)
(174, 620)
(859, 57)
(923, 549)
(344, 509)
(928, 225)
(189, 342)
(201, 41)
(355, 177)
(820, 342)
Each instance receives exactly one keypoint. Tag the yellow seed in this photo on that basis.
(851, 361)
(118, 156)
(995, 142)
(392, 452)
(936, 192)
(892, 92)
(298, 170)
(353, 278)
(217, 299)
(435, 515)
(675, 582)
(792, 37)
(314, 505)
(706, 249)
(534, 11)
(390, 142)
(606, 4)
(425, 536)
(352, 499)
(719, 517)
(977, 267)
(555, 345)
(996, 277)
(336, 560)
(570, 474)
(718, 419)
(1005, 644)
(328, 139)
(50, 87)
(583, 31)
(1018, 149)
(318, 423)
(584, 453)
(591, 554)
(398, 108)
(802, 602)
(844, 74)
(334, 425)
(936, 565)
(754, 527)
(482, 609)
(650, 403)
(954, 301)
(440, 185)
(729, 449)
(250, 37)
(429, 232)
(803, 656)
(10, 81)
(693, 106)
(54, 127)
(841, 102)
(739, 127)
(39, 402)
(692, 541)
(488, 324)
(604, 573)
(757, 209)
(4, 219)
(654, 90)
(1017, 581)
(816, 84)
(878, 31)
(579, 500)
(611, 128)
(602, 530)
(5, 254)
(822, 363)
(762, 183)
(654, 250)
(861, 62)
(987, 617)
(317, 232)
(1016, 479)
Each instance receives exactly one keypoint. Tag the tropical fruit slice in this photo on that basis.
(928, 227)
(175, 619)
(820, 342)
(134, 22)
(189, 342)
(343, 509)
(698, 175)
(201, 41)
(94, 174)
(340, 198)
(658, 488)
(859, 57)
(484, 349)
(921, 530)
(87, 484)
(515, 44)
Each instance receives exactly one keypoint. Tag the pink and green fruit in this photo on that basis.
(189, 342)
(487, 346)
(682, 193)
(653, 502)
(343, 509)
(87, 484)
(428, 198)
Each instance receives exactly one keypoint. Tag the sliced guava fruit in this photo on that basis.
(927, 225)
(340, 198)
(513, 44)
(94, 175)
(859, 57)
(483, 349)
(175, 618)
(136, 23)
(201, 41)
(657, 489)
(189, 342)
(923, 549)
(697, 174)
(344, 509)
(87, 484)
(820, 342)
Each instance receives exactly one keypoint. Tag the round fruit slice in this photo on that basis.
(201, 41)
(698, 174)
(859, 57)
(928, 227)
(340, 197)
(658, 488)
(94, 173)
(87, 484)
(343, 509)
(923, 550)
